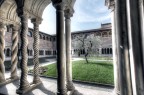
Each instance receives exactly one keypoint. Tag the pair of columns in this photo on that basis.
(64, 66)
(14, 59)
(127, 35)
(24, 84)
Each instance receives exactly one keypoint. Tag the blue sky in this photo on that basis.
(88, 15)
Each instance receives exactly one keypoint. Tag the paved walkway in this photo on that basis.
(49, 87)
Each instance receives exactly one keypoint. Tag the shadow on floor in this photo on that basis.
(44, 90)
(4, 90)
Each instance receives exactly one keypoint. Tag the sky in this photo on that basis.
(88, 15)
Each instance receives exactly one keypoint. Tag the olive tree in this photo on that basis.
(89, 43)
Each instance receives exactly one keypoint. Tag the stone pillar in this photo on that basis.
(61, 63)
(2, 56)
(36, 23)
(135, 20)
(68, 15)
(24, 84)
(14, 57)
(123, 48)
(115, 50)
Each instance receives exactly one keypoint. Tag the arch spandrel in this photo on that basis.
(8, 12)
(35, 8)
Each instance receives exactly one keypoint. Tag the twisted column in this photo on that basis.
(14, 57)
(24, 44)
(68, 14)
(36, 78)
(2, 56)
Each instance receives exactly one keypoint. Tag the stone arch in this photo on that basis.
(44, 37)
(29, 33)
(40, 36)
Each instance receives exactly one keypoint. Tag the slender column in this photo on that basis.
(24, 84)
(115, 57)
(14, 58)
(36, 78)
(123, 48)
(2, 56)
(135, 37)
(68, 15)
(61, 63)
(100, 51)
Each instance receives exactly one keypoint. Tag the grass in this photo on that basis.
(98, 72)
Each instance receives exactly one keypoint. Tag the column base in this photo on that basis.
(116, 92)
(75, 92)
(14, 77)
(63, 92)
(28, 89)
(70, 86)
(36, 79)
(9, 80)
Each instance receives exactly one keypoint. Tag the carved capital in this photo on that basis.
(68, 13)
(110, 4)
(59, 6)
(36, 20)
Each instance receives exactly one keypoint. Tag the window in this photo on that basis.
(41, 52)
(29, 33)
(8, 52)
(43, 37)
(40, 36)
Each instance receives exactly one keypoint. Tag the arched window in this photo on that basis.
(29, 33)
(43, 37)
(108, 52)
(47, 38)
(41, 52)
(40, 36)
(8, 52)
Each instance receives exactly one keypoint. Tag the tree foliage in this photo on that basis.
(90, 44)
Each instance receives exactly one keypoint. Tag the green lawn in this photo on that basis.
(99, 72)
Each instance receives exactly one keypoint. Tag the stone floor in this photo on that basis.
(49, 88)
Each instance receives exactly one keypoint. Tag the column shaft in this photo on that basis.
(14, 57)
(115, 57)
(123, 48)
(61, 63)
(70, 86)
(36, 53)
(135, 39)
(2, 56)
(24, 58)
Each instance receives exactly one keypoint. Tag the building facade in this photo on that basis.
(47, 45)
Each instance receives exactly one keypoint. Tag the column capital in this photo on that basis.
(110, 4)
(36, 20)
(59, 5)
(68, 13)
(15, 27)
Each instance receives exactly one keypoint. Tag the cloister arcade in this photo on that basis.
(127, 35)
